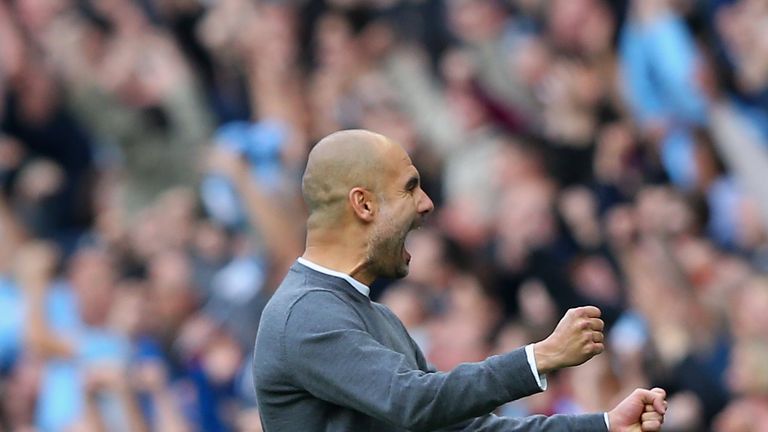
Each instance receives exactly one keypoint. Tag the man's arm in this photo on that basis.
(269, 218)
(641, 411)
(491, 422)
(35, 267)
(555, 423)
(332, 356)
(12, 234)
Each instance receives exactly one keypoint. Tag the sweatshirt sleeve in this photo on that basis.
(555, 423)
(332, 356)
(494, 423)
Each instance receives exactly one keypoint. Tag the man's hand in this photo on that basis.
(641, 411)
(577, 338)
(228, 163)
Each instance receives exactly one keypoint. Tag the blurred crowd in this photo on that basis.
(578, 151)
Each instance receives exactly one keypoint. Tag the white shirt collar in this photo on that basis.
(364, 290)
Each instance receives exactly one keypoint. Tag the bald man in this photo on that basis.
(329, 359)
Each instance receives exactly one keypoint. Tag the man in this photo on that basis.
(327, 358)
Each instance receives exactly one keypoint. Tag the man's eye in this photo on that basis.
(412, 185)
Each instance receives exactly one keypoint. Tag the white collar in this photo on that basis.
(364, 290)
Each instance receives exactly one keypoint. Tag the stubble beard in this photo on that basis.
(385, 253)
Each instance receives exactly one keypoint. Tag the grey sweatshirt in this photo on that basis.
(327, 358)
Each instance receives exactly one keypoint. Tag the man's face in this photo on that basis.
(402, 206)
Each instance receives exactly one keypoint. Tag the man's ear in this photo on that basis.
(363, 203)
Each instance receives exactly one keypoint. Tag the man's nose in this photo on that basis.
(425, 204)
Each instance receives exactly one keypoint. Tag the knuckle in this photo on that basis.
(600, 324)
(593, 349)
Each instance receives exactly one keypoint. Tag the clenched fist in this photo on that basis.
(577, 338)
(641, 411)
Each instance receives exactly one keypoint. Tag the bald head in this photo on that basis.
(339, 162)
(364, 196)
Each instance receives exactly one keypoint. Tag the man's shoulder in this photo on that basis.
(309, 299)
(384, 309)
(302, 284)
(290, 299)
(303, 303)
(285, 300)
(293, 314)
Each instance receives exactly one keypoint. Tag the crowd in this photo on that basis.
(578, 152)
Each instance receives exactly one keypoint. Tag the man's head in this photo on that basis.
(364, 196)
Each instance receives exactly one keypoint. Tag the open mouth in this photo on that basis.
(414, 226)
(406, 254)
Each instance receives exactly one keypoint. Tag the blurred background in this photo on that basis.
(579, 152)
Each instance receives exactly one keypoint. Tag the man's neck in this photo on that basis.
(354, 265)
